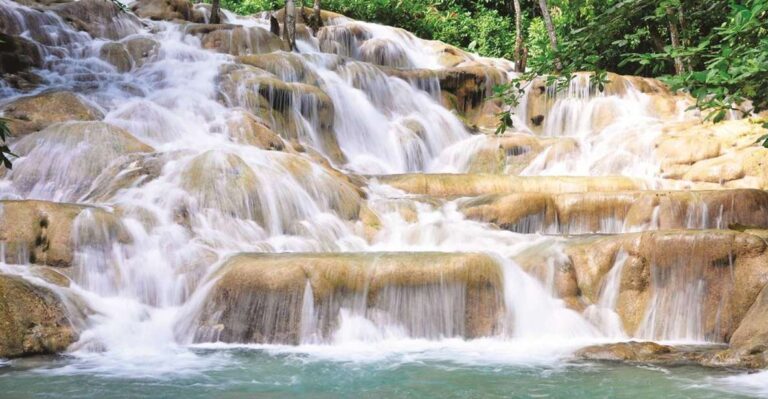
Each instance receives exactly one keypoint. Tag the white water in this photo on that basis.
(213, 197)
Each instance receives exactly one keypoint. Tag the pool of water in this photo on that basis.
(277, 373)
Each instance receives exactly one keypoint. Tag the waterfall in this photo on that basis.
(211, 162)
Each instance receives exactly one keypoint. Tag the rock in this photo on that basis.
(749, 343)
(512, 153)
(282, 104)
(620, 211)
(168, 10)
(245, 128)
(259, 297)
(224, 182)
(238, 40)
(117, 55)
(625, 351)
(132, 170)
(470, 88)
(18, 54)
(385, 52)
(47, 233)
(99, 18)
(33, 320)
(141, 49)
(726, 153)
(64, 159)
(463, 185)
(714, 274)
(129, 53)
(34, 113)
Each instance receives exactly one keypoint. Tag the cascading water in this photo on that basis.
(184, 192)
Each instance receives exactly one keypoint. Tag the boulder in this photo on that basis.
(129, 53)
(246, 128)
(644, 352)
(285, 106)
(17, 56)
(48, 233)
(238, 40)
(33, 320)
(225, 182)
(99, 18)
(168, 10)
(31, 114)
(264, 297)
(673, 284)
(62, 160)
(725, 153)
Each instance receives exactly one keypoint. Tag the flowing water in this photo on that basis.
(202, 196)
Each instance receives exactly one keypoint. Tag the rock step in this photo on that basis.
(470, 185)
(669, 284)
(266, 297)
(620, 211)
(46, 233)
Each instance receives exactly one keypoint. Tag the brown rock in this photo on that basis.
(34, 113)
(258, 297)
(44, 233)
(33, 320)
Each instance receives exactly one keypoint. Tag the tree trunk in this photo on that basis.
(551, 32)
(316, 21)
(215, 6)
(674, 36)
(519, 56)
(289, 24)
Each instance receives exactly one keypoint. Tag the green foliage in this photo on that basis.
(5, 152)
(479, 26)
(735, 59)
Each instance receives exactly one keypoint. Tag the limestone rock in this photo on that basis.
(461, 185)
(168, 10)
(258, 297)
(34, 113)
(244, 127)
(33, 320)
(620, 211)
(238, 40)
(65, 158)
(731, 268)
(98, 18)
(725, 153)
(46, 233)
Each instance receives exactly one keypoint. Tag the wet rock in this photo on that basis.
(284, 105)
(131, 171)
(129, 53)
(713, 276)
(643, 352)
(462, 185)
(99, 18)
(63, 159)
(117, 55)
(33, 320)
(238, 40)
(224, 182)
(35, 113)
(259, 297)
(621, 211)
(43, 233)
(244, 127)
(141, 49)
(18, 55)
(168, 10)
